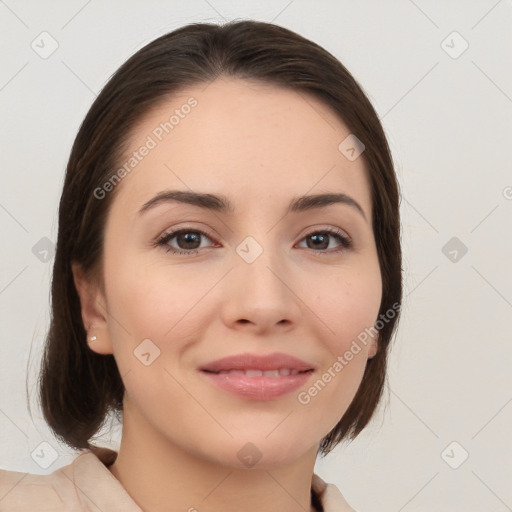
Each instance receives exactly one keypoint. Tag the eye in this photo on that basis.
(189, 241)
(320, 240)
(188, 238)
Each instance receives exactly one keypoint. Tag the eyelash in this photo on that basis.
(345, 241)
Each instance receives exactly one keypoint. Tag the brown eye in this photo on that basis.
(320, 240)
(188, 241)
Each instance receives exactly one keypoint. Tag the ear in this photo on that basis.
(94, 312)
(373, 347)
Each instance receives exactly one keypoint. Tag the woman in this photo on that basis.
(227, 279)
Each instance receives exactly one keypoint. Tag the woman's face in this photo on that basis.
(262, 280)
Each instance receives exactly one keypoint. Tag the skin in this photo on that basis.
(259, 145)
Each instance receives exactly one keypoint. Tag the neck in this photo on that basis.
(161, 476)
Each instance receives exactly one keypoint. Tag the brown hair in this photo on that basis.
(78, 388)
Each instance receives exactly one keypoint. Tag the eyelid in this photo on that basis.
(330, 229)
(346, 242)
(178, 229)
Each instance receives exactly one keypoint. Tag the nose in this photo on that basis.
(261, 295)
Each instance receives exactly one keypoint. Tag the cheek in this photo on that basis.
(349, 307)
(164, 304)
(153, 301)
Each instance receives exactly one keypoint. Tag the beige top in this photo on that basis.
(86, 485)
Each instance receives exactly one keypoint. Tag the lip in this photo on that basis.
(258, 388)
(258, 362)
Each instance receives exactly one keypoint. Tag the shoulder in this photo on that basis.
(330, 496)
(78, 486)
(24, 491)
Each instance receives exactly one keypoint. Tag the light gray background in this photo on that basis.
(448, 121)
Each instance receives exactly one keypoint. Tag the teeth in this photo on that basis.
(281, 372)
(253, 373)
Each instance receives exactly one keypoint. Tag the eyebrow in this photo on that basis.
(221, 204)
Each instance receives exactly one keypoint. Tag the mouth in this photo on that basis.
(257, 384)
(278, 364)
(255, 377)
(254, 373)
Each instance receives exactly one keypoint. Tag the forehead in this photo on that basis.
(242, 139)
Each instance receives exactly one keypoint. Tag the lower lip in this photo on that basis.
(258, 388)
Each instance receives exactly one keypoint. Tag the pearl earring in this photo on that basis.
(92, 338)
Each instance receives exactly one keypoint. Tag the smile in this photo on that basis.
(281, 372)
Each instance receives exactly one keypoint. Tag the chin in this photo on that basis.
(263, 454)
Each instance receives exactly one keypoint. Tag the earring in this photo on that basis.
(92, 338)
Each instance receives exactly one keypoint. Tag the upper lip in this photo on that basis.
(258, 362)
